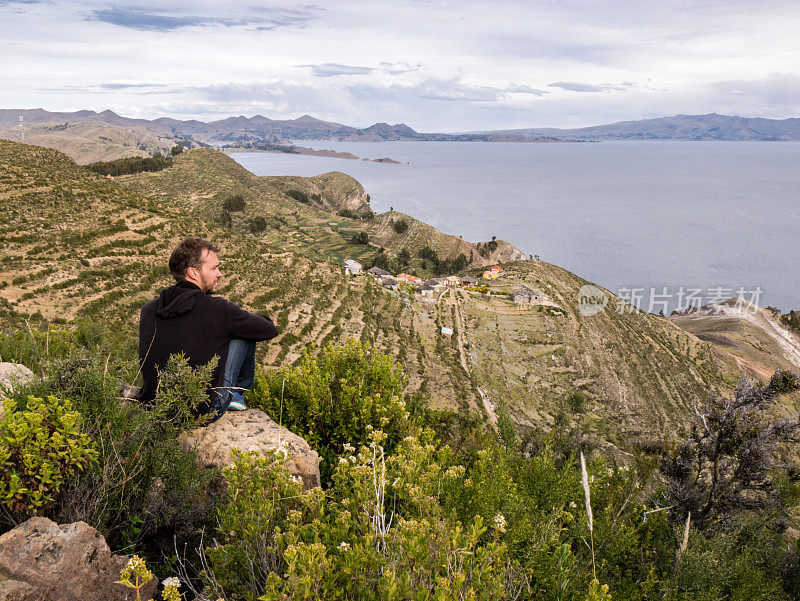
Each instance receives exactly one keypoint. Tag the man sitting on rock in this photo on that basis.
(186, 318)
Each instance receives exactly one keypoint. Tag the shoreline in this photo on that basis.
(306, 151)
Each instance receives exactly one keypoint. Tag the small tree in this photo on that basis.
(359, 238)
(729, 462)
(400, 226)
(176, 150)
(258, 224)
(234, 203)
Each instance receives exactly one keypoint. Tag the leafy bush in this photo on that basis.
(400, 226)
(303, 197)
(379, 534)
(258, 224)
(130, 165)
(336, 398)
(43, 449)
(359, 238)
(144, 488)
(234, 203)
(176, 150)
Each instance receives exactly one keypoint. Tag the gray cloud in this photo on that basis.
(335, 69)
(139, 89)
(126, 86)
(449, 91)
(515, 88)
(156, 19)
(778, 89)
(434, 89)
(400, 68)
(572, 86)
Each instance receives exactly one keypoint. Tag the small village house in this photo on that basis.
(378, 273)
(435, 283)
(352, 267)
(525, 296)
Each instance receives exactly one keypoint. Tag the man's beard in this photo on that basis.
(208, 286)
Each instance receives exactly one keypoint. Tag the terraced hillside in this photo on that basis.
(317, 216)
(79, 246)
(89, 142)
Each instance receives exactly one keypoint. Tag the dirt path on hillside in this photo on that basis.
(455, 298)
(787, 341)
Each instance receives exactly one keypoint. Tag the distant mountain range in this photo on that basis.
(679, 127)
(241, 130)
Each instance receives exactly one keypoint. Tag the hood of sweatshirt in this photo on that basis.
(177, 299)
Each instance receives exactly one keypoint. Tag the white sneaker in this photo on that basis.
(237, 405)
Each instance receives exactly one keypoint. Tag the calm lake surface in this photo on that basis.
(625, 215)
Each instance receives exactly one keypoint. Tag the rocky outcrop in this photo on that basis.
(42, 561)
(11, 375)
(253, 430)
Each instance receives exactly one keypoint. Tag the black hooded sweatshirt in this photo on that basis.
(185, 319)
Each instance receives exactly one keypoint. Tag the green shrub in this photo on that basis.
(336, 398)
(258, 224)
(130, 165)
(400, 226)
(234, 203)
(359, 238)
(378, 534)
(181, 391)
(43, 449)
(145, 489)
(261, 495)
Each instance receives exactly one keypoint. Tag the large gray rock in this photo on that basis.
(11, 375)
(253, 430)
(42, 561)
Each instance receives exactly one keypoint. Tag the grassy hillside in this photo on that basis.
(89, 142)
(76, 245)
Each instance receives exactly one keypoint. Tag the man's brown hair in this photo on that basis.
(188, 254)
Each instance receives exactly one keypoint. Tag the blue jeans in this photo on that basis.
(240, 371)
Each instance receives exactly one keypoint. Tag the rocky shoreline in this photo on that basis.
(305, 150)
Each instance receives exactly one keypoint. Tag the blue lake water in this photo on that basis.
(707, 216)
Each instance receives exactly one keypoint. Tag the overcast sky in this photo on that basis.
(434, 65)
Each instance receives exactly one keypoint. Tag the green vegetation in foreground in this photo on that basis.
(427, 504)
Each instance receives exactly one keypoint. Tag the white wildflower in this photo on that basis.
(135, 562)
(297, 479)
(500, 522)
(342, 460)
(348, 447)
(344, 546)
(172, 581)
(282, 451)
(572, 505)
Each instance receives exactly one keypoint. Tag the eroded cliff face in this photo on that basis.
(507, 253)
(340, 193)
